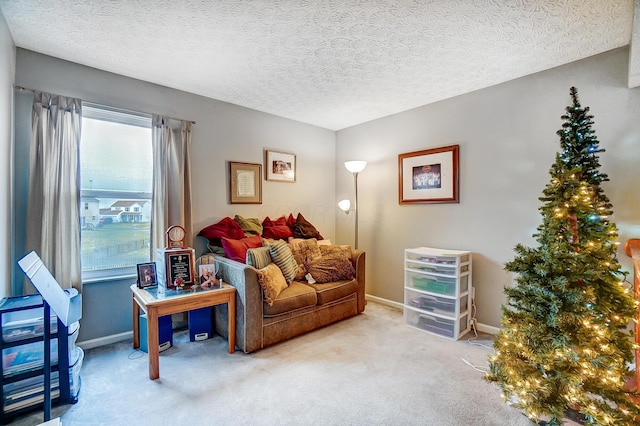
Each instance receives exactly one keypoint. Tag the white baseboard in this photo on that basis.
(106, 340)
(385, 302)
(489, 329)
(481, 327)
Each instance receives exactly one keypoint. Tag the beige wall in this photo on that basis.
(507, 144)
(224, 132)
(7, 73)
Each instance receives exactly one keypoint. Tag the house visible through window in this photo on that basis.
(116, 170)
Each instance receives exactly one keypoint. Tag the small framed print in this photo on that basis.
(280, 166)
(245, 183)
(207, 276)
(146, 275)
(429, 176)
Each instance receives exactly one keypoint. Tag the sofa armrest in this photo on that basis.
(358, 260)
(248, 304)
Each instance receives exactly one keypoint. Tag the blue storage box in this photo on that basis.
(165, 333)
(200, 324)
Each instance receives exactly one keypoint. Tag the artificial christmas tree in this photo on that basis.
(565, 342)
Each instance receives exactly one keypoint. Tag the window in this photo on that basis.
(116, 171)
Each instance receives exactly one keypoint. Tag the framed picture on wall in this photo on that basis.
(245, 183)
(429, 176)
(280, 166)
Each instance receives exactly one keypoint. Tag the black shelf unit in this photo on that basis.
(31, 370)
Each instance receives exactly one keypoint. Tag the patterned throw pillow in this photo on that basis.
(258, 257)
(335, 250)
(281, 255)
(304, 251)
(272, 282)
(330, 269)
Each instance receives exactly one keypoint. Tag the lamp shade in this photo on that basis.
(344, 205)
(355, 166)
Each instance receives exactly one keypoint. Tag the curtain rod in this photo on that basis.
(26, 89)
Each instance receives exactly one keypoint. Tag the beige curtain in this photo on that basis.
(53, 218)
(171, 202)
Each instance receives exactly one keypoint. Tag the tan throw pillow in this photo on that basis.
(272, 282)
(330, 250)
(304, 251)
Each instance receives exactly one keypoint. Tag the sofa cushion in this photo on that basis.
(227, 228)
(258, 257)
(304, 251)
(281, 255)
(237, 249)
(335, 250)
(326, 269)
(328, 292)
(304, 229)
(250, 226)
(295, 296)
(272, 282)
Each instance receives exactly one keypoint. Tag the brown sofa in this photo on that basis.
(298, 309)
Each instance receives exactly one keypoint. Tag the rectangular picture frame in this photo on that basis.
(280, 166)
(245, 183)
(146, 274)
(429, 176)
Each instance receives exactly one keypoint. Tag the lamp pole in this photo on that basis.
(355, 181)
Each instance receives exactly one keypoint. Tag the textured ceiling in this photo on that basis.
(331, 63)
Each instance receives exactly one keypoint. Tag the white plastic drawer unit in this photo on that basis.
(24, 324)
(438, 290)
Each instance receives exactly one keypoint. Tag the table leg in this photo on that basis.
(152, 346)
(136, 324)
(232, 322)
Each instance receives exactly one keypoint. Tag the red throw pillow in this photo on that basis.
(276, 229)
(291, 221)
(277, 232)
(237, 249)
(226, 228)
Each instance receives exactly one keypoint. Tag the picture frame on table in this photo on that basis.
(280, 166)
(245, 183)
(429, 176)
(146, 274)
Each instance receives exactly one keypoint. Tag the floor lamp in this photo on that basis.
(354, 167)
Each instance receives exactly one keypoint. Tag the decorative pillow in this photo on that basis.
(227, 228)
(291, 221)
(304, 229)
(258, 257)
(324, 242)
(272, 282)
(281, 255)
(277, 232)
(219, 250)
(335, 250)
(329, 269)
(281, 221)
(251, 225)
(237, 249)
(304, 251)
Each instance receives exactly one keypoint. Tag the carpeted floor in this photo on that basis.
(367, 370)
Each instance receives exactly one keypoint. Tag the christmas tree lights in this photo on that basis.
(565, 343)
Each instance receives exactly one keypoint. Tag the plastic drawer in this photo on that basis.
(19, 325)
(27, 392)
(437, 325)
(432, 283)
(29, 357)
(432, 258)
(438, 304)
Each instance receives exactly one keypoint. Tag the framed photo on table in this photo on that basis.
(429, 176)
(280, 166)
(146, 274)
(245, 183)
